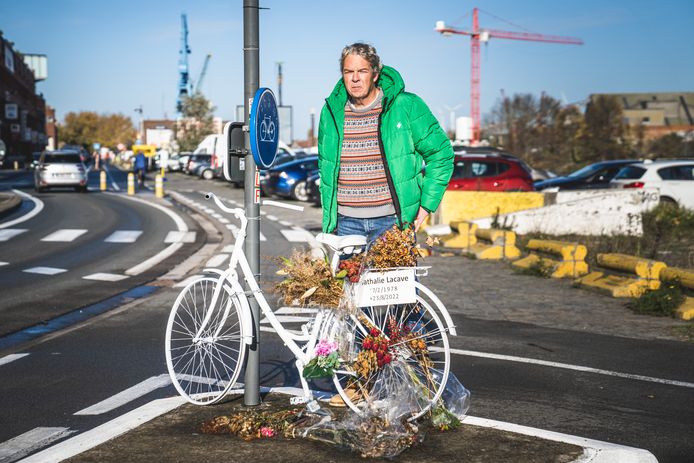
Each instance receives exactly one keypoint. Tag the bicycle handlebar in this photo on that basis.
(267, 202)
(219, 203)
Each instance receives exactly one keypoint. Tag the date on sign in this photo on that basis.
(388, 287)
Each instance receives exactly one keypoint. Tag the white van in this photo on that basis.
(216, 145)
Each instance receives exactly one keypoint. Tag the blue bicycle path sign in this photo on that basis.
(265, 127)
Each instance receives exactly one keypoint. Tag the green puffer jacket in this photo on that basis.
(409, 134)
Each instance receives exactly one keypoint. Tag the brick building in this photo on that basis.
(22, 111)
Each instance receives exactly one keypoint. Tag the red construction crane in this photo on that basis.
(478, 35)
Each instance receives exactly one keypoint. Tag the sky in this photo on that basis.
(115, 56)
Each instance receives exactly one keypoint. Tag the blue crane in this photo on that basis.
(184, 85)
(201, 77)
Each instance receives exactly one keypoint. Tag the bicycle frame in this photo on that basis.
(230, 275)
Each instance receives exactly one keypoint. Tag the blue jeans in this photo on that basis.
(371, 228)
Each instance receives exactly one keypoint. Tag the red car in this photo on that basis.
(490, 171)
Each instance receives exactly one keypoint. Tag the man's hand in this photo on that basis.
(421, 217)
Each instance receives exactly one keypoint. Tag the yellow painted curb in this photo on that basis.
(686, 310)
(678, 275)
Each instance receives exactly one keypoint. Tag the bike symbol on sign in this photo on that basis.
(267, 130)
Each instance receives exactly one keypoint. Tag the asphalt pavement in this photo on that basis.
(168, 430)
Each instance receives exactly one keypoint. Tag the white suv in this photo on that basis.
(674, 178)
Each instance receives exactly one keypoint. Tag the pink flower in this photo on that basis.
(325, 348)
(267, 431)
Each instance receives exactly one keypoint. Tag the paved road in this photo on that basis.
(532, 351)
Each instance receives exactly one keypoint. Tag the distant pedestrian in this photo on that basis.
(374, 139)
(140, 168)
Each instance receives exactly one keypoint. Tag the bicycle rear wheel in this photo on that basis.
(419, 358)
(205, 361)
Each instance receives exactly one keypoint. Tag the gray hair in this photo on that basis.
(366, 51)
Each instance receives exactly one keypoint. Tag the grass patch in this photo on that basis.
(539, 268)
(661, 302)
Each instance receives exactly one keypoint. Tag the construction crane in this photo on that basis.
(201, 77)
(478, 35)
(184, 85)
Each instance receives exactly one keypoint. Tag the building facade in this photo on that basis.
(22, 111)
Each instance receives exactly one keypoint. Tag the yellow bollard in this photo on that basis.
(102, 181)
(131, 184)
(159, 186)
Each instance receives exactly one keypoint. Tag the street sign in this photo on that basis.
(265, 127)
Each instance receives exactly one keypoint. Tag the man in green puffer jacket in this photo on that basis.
(373, 141)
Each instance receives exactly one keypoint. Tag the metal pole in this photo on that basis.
(251, 76)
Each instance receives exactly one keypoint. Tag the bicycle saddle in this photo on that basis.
(342, 243)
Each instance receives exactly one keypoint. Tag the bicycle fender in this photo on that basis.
(439, 305)
(246, 317)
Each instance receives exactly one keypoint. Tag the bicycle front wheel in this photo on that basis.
(204, 355)
(413, 365)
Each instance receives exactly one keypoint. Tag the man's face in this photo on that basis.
(359, 78)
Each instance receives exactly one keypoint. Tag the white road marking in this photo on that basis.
(105, 277)
(271, 217)
(285, 223)
(124, 236)
(24, 444)
(4, 263)
(107, 431)
(8, 233)
(228, 248)
(11, 358)
(169, 251)
(188, 280)
(568, 366)
(295, 310)
(128, 395)
(65, 235)
(288, 319)
(297, 235)
(180, 237)
(223, 220)
(270, 329)
(38, 207)
(217, 260)
(45, 270)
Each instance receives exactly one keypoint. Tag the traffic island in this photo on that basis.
(177, 436)
(9, 202)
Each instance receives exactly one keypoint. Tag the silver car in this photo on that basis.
(60, 169)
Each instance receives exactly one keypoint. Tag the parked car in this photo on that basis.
(289, 179)
(674, 179)
(35, 157)
(183, 160)
(60, 169)
(204, 169)
(313, 188)
(593, 176)
(489, 171)
(195, 160)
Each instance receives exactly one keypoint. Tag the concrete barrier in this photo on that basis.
(585, 212)
(644, 275)
(573, 258)
(683, 278)
(494, 244)
(464, 235)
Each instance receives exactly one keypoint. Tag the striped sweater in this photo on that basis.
(362, 187)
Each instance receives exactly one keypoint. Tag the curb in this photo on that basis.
(594, 451)
(9, 202)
